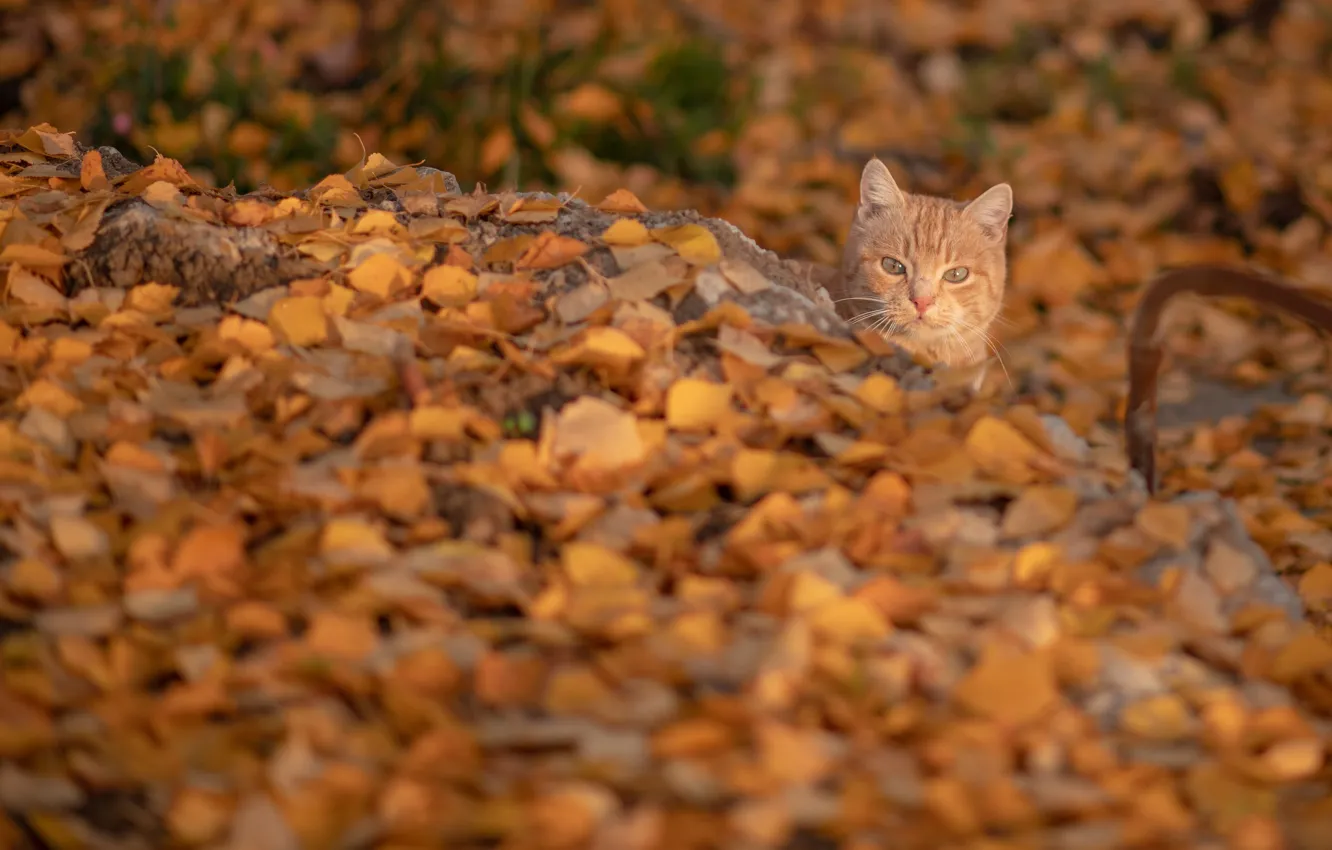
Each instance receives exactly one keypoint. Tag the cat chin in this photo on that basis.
(923, 333)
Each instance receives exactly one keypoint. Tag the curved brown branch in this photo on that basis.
(1144, 347)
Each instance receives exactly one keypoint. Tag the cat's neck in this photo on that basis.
(965, 348)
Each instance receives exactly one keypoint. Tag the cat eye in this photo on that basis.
(956, 275)
(893, 266)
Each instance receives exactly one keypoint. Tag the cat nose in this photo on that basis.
(922, 303)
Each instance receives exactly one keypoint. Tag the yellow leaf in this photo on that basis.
(346, 539)
(593, 564)
(70, 350)
(840, 358)
(756, 471)
(550, 250)
(622, 201)
(378, 223)
(254, 336)
(808, 591)
(433, 422)
(152, 298)
(1164, 717)
(612, 344)
(377, 165)
(598, 434)
(881, 392)
(400, 490)
(694, 242)
(627, 232)
(699, 632)
(694, 404)
(50, 396)
(28, 288)
(849, 620)
(338, 300)
(32, 256)
(335, 190)
(299, 320)
(380, 275)
(1001, 451)
(449, 286)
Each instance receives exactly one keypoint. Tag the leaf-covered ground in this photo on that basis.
(513, 520)
(529, 523)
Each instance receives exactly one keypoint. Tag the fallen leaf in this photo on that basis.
(550, 251)
(643, 281)
(622, 201)
(694, 404)
(299, 320)
(694, 242)
(598, 435)
(76, 538)
(449, 286)
(380, 275)
(1039, 511)
(1010, 687)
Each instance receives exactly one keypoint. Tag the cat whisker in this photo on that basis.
(869, 314)
(966, 346)
(992, 344)
(885, 325)
(858, 298)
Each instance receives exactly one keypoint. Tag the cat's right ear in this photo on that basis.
(878, 190)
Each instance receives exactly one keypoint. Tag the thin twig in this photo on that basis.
(1144, 347)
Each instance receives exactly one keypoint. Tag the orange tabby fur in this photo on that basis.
(928, 236)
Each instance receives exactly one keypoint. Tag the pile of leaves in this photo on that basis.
(384, 514)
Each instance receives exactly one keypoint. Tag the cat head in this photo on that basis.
(924, 268)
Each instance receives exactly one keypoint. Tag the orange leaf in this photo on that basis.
(622, 201)
(92, 175)
(533, 210)
(44, 139)
(550, 250)
(162, 168)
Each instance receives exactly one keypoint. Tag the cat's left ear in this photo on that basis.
(992, 209)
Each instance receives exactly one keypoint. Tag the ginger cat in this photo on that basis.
(928, 273)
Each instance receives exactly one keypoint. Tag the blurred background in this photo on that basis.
(761, 111)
